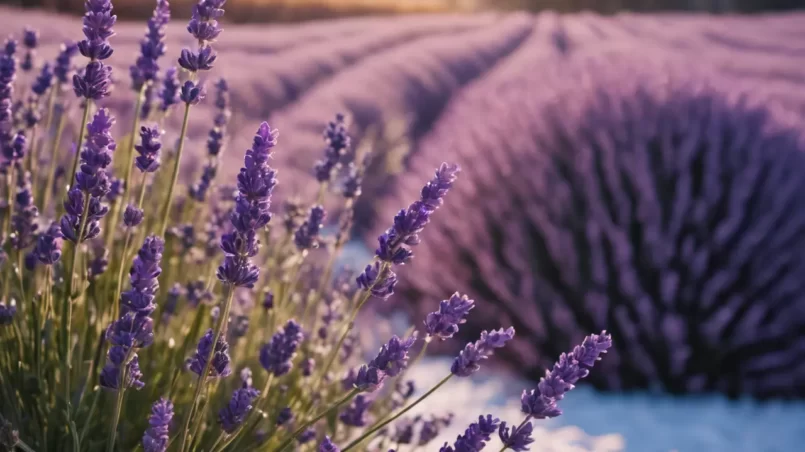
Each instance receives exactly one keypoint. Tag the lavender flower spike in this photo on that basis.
(145, 70)
(143, 276)
(338, 141)
(444, 322)
(48, 245)
(169, 94)
(252, 202)
(30, 39)
(232, 416)
(220, 360)
(306, 237)
(64, 65)
(7, 313)
(276, 356)
(516, 438)
(204, 27)
(149, 147)
(95, 81)
(8, 72)
(156, 436)
(23, 221)
(475, 437)
(468, 361)
(328, 446)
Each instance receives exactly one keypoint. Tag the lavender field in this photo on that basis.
(642, 174)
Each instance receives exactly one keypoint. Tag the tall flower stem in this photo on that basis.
(11, 179)
(81, 134)
(67, 304)
(219, 327)
(32, 158)
(379, 426)
(167, 206)
(115, 217)
(121, 391)
(48, 191)
(315, 419)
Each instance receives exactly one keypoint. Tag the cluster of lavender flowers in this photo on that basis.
(171, 363)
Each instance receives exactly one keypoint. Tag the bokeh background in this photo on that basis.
(630, 165)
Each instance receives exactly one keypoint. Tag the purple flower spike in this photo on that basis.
(204, 27)
(98, 23)
(151, 47)
(306, 236)
(395, 244)
(116, 188)
(220, 360)
(110, 375)
(148, 160)
(7, 313)
(452, 313)
(338, 142)
(231, 416)
(143, 276)
(156, 436)
(95, 82)
(15, 150)
(99, 263)
(328, 446)
(64, 64)
(23, 221)
(70, 222)
(96, 155)
(357, 413)
(131, 331)
(132, 216)
(252, 202)
(30, 38)
(393, 356)
(516, 438)
(48, 245)
(284, 416)
(475, 437)
(8, 72)
(541, 403)
(192, 93)
(368, 379)
(468, 361)
(378, 278)
(276, 356)
(169, 94)
(43, 81)
(306, 436)
(197, 61)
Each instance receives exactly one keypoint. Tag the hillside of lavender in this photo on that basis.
(643, 174)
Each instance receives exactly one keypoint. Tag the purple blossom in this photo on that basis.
(30, 39)
(7, 313)
(368, 379)
(307, 367)
(475, 437)
(395, 244)
(379, 279)
(431, 428)
(516, 438)
(48, 245)
(403, 431)
(306, 436)
(232, 416)
(15, 150)
(110, 374)
(337, 140)
(98, 23)
(276, 356)
(169, 94)
(145, 70)
(192, 93)
(541, 403)
(143, 277)
(43, 81)
(174, 293)
(328, 446)
(116, 188)
(351, 186)
(23, 221)
(197, 292)
(204, 27)
(392, 358)
(149, 147)
(252, 202)
(469, 360)
(74, 208)
(356, 414)
(156, 437)
(99, 263)
(64, 64)
(8, 73)
(306, 236)
(268, 301)
(198, 191)
(131, 331)
(132, 216)
(96, 155)
(220, 360)
(95, 82)
(444, 322)
(284, 416)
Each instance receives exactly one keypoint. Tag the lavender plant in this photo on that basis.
(229, 333)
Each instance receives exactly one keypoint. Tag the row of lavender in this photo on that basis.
(163, 360)
(633, 191)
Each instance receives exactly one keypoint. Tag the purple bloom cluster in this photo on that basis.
(306, 436)
(48, 245)
(516, 438)
(8, 73)
(99, 263)
(145, 70)
(469, 360)
(149, 147)
(169, 94)
(328, 445)
(91, 179)
(356, 414)
(30, 39)
(132, 216)
(276, 356)
(338, 141)
(43, 81)
(390, 361)
(204, 27)
(379, 279)
(215, 142)
(143, 277)
(156, 436)
(255, 184)
(284, 416)
(24, 221)
(219, 367)
(95, 81)
(475, 437)
(542, 402)
(64, 62)
(444, 322)
(7, 313)
(231, 416)
(306, 236)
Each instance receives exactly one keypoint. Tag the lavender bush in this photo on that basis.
(667, 208)
(234, 329)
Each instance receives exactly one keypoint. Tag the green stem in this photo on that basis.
(32, 156)
(165, 214)
(81, 133)
(10, 177)
(90, 416)
(119, 287)
(48, 191)
(121, 391)
(377, 427)
(315, 419)
(222, 320)
(24, 446)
